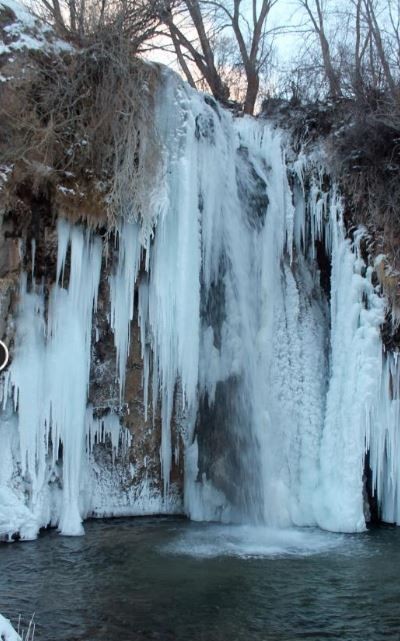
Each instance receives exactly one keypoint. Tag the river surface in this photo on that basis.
(172, 580)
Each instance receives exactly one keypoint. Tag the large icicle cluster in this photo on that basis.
(235, 313)
(384, 440)
(280, 385)
(46, 441)
(361, 419)
(49, 375)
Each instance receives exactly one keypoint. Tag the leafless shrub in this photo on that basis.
(86, 115)
(366, 157)
(81, 20)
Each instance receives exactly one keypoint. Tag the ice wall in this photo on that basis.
(285, 385)
(272, 372)
(297, 383)
(361, 420)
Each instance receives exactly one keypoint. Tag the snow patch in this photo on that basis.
(7, 632)
(28, 32)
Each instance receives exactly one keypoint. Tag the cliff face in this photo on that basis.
(191, 327)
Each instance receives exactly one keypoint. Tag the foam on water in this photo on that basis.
(251, 542)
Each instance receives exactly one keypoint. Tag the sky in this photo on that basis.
(285, 13)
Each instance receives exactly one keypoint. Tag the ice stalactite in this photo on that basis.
(384, 441)
(357, 312)
(109, 426)
(362, 402)
(122, 290)
(172, 299)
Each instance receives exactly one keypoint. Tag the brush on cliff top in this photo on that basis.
(77, 122)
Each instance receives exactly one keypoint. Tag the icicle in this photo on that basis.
(143, 313)
(109, 426)
(175, 260)
(63, 235)
(122, 291)
(384, 441)
(354, 383)
(33, 252)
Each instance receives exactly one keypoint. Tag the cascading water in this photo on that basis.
(277, 379)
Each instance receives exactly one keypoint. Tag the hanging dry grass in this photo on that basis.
(84, 120)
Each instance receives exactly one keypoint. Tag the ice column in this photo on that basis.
(122, 291)
(50, 375)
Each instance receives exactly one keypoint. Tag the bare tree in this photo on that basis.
(200, 52)
(80, 19)
(394, 18)
(376, 32)
(360, 47)
(316, 14)
(206, 20)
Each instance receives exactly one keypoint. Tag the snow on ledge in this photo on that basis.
(21, 13)
(28, 32)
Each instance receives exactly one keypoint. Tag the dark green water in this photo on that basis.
(152, 579)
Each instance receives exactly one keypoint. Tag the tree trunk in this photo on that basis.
(331, 75)
(318, 21)
(376, 33)
(253, 84)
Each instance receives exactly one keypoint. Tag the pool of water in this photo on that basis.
(172, 580)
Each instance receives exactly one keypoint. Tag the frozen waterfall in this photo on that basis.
(259, 323)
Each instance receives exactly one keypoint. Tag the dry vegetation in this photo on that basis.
(78, 126)
(366, 160)
(362, 141)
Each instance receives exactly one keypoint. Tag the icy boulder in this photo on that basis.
(15, 517)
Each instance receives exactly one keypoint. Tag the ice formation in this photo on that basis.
(50, 374)
(7, 632)
(122, 288)
(277, 376)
